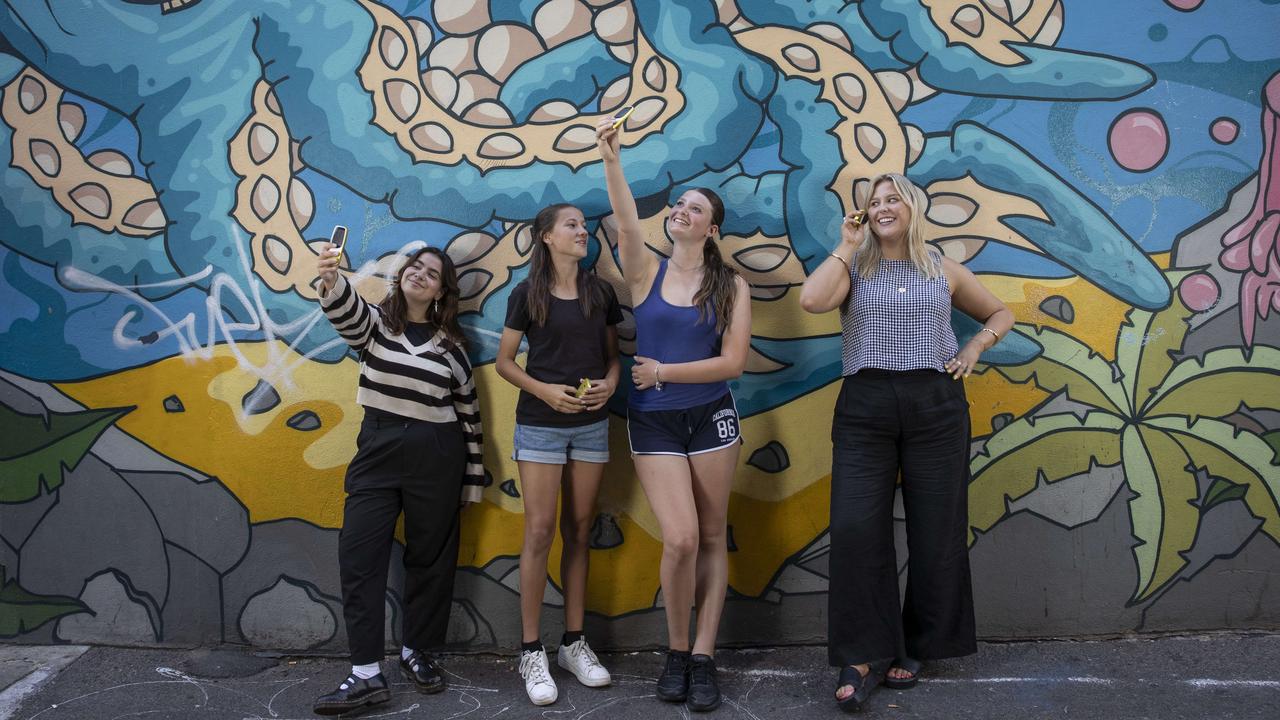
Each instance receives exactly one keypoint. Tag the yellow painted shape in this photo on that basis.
(276, 471)
(990, 43)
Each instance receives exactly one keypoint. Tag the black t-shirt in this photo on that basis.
(565, 350)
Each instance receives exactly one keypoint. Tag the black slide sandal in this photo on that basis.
(903, 683)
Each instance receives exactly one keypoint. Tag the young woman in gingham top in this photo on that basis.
(693, 328)
(418, 451)
(901, 410)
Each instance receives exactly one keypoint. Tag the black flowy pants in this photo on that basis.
(916, 421)
(417, 467)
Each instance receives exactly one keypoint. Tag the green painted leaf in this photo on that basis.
(1273, 439)
(1217, 385)
(1221, 491)
(32, 451)
(1068, 364)
(1146, 342)
(1238, 456)
(1055, 446)
(21, 612)
(1164, 515)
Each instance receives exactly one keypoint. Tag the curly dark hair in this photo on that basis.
(443, 313)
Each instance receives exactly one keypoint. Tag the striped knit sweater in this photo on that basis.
(431, 382)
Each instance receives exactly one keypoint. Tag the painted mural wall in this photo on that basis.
(177, 413)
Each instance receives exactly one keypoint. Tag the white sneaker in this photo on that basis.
(579, 659)
(536, 672)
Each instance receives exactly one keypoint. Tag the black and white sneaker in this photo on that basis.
(353, 694)
(704, 691)
(673, 683)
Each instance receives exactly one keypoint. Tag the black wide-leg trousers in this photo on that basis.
(416, 467)
(915, 422)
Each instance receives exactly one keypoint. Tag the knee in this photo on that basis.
(538, 536)
(576, 532)
(713, 537)
(680, 545)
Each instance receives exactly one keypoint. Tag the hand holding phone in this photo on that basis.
(339, 240)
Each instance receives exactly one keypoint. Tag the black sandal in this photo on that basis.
(912, 666)
(862, 684)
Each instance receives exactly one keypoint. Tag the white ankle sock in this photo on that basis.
(405, 652)
(364, 672)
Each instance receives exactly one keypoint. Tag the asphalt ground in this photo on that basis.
(1196, 676)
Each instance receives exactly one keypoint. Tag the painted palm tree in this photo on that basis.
(1155, 415)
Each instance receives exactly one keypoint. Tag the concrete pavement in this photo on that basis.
(1201, 676)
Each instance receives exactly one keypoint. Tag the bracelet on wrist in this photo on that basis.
(994, 334)
(657, 379)
(840, 257)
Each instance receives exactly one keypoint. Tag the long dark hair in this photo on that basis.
(443, 312)
(717, 291)
(542, 272)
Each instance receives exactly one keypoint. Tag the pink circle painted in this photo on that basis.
(1199, 292)
(1139, 140)
(1185, 5)
(1225, 130)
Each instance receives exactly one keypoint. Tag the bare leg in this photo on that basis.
(578, 504)
(540, 488)
(712, 481)
(668, 485)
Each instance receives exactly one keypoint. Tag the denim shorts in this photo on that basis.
(558, 445)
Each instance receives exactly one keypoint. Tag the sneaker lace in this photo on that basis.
(534, 668)
(583, 651)
(676, 665)
(701, 673)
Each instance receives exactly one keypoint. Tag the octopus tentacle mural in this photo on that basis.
(169, 167)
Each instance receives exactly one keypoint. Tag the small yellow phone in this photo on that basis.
(339, 239)
(583, 387)
(621, 116)
(859, 217)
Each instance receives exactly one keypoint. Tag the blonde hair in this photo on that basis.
(921, 255)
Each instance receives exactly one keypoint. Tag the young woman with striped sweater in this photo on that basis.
(418, 450)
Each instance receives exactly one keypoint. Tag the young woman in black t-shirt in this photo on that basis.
(569, 317)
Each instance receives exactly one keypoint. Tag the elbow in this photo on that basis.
(503, 367)
(811, 303)
(736, 367)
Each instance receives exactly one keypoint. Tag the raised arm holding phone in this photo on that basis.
(418, 451)
(693, 328)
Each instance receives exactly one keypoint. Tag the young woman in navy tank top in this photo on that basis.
(693, 329)
(901, 410)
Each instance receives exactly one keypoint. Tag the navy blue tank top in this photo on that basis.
(673, 334)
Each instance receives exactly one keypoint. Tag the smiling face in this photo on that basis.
(568, 236)
(888, 212)
(692, 218)
(420, 280)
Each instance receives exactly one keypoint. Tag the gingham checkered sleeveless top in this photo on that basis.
(897, 320)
